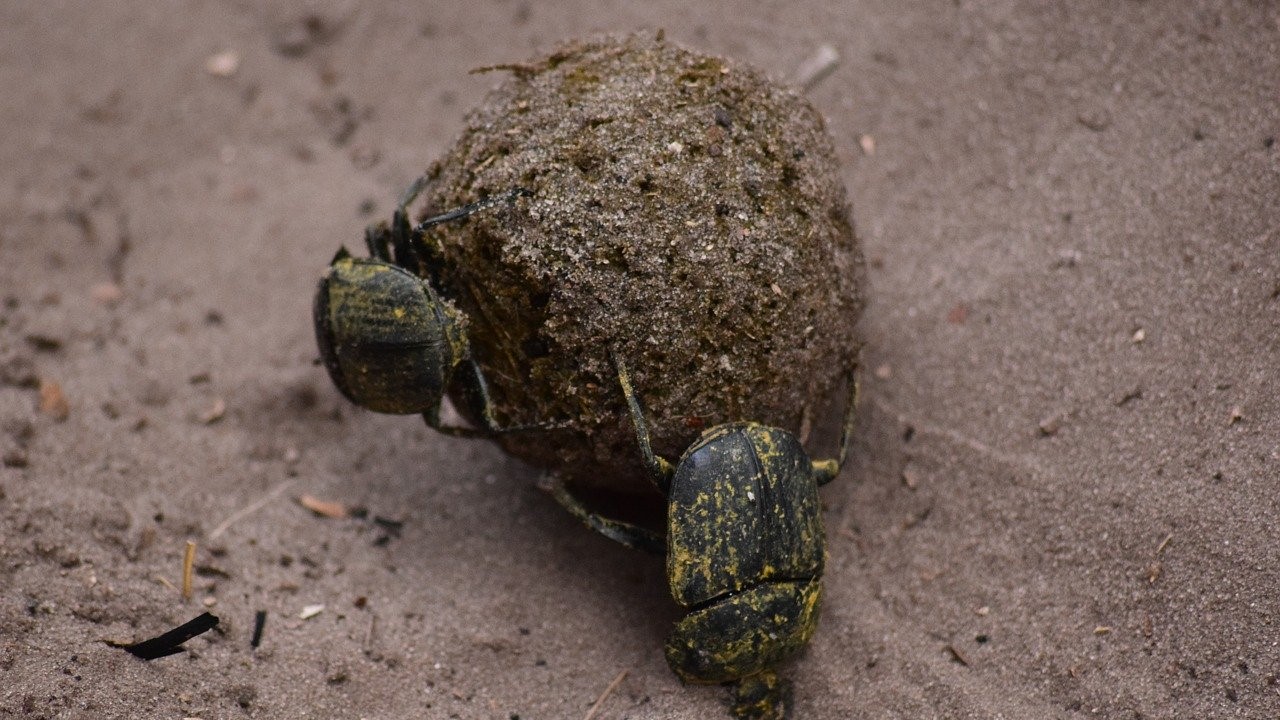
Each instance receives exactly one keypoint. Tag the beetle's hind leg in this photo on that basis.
(633, 536)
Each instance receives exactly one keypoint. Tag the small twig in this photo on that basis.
(370, 636)
(956, 655)
(256, 506)
(259, 623)
(170, 643)
(605, 695)
(958, 438)
(188, 564)
(816, 67)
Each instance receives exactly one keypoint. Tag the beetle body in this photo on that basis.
(744, 551)
(389, 343)
(744, 545)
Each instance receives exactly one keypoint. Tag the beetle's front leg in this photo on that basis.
(401, 234)
(660, 469)
(633, 536)
(377, 238)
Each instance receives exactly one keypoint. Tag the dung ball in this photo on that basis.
(687, 218)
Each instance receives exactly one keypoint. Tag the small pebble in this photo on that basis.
(1096, 119)
(1050, 426)
(106, 293)
(53, 402)
(224, 64)
(16, 458)
(214, 413)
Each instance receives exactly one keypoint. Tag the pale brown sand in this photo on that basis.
(1070, 212)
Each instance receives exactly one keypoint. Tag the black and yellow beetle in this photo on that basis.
(391, 344)
(744, 545)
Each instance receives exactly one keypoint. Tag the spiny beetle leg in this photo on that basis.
(377, 238)
(824, 471)
(660, 469)
(401, 234)
(624, 533)
(475, 391)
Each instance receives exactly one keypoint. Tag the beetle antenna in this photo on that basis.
(660, 468)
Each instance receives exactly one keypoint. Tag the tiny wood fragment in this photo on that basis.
(170, 643)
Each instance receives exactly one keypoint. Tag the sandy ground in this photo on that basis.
(1063, 497)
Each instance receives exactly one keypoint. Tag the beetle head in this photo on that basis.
(387, 339)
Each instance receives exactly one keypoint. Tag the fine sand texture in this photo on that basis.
(1061, 500)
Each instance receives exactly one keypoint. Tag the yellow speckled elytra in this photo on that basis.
(389, 341)
(744, 545)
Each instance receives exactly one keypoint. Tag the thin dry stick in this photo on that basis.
(188, 563)
(369, 636)
(819, 65)
(236, 516)
(605, 695)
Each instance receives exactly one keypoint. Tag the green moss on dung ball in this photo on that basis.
(687, 214)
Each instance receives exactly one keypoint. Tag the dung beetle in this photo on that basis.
(390, 342)
(744, 547)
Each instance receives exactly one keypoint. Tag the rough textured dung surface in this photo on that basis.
(687, 213)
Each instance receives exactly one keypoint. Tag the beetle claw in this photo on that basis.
(763, 696)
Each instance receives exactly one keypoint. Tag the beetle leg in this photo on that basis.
(402, 235)
(624, 533)
(377, 238)
(475, 207)
(824, 471)
(432, 417)
(416, 235)
(475, 390)
(660, 469)
(411, 241)
(761, 696)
